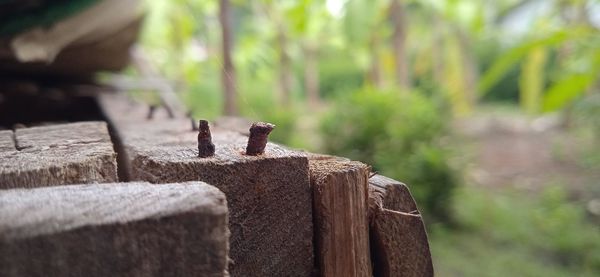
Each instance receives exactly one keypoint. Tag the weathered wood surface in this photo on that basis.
(341, 216)
(57, 155)
(124, 229)
(397, 232)
(269, 196)
(7, 142)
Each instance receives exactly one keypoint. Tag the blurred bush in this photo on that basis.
(548, 225)
(586, 119)
(400, 134)
(587, 113)
(338, 73)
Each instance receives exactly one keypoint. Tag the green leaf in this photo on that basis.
(573, 85)
(566, 90)
(503, 64)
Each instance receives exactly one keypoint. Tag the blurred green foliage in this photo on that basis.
(400, 134)
(509, 232)
(586, 117)
(338, 75)
(506, 90)
(471, 54)
(587, 113)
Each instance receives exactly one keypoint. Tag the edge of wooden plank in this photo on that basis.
(340, 212)
(46, 210)
(58, 155)
(399, 242)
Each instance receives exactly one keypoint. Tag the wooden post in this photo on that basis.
(398, 238)
(57, 155)
(268, 195)
(124, 229)
(340, 211)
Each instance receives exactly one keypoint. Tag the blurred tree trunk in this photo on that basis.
(398, 19)
(471, 70)
(311, 75)
(228, 73)
(436, 50)
(374, 74)
(285, 67)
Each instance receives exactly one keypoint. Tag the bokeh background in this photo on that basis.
(488, 110)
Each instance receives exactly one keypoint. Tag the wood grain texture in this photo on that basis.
(340, 210)
(124, 229)
(268, 195)
(7, 142)
(399, 245)
(57, 155)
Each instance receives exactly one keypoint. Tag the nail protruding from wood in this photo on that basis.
(205, 146)
(259, 134)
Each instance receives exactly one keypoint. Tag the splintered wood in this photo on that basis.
(124, 229)
(269, 198)
(57, 155)
(340, 211)
(398, 237)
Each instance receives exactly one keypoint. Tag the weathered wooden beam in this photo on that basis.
(340, 210)
(7, 143)
(57, 155)
(268, 195)
(123, 229)
(399, 245)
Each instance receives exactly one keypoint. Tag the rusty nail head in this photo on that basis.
(259, 133)
(205, 146)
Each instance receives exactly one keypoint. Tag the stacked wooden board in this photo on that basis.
(124, 229)
(282, 213)
(52, 224)
(341, 223)
(270, 215)
(398, 238)
(57, 155)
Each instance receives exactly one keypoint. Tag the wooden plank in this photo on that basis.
(57, 155)
(340, 211)
(268, 195)
(124, 229)
(7, 142)
(397, 233)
